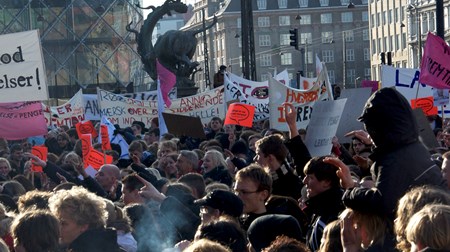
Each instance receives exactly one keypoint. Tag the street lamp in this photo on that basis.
(356, 81)
(344, 66)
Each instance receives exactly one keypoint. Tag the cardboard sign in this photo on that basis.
(106, 144)
(23, 77)
(86, 128)
(40, 152)
(181, 125)
(323, 125)
(426, 104)
(240, 114)
(96, 159)
(86, 146)
(69, 114)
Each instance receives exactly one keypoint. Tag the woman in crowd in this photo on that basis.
(214, 166)
(167, 167)
(5, 168)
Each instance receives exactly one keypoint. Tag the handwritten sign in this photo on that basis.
(86, 128)
(21, 120)
(435, 66)
(426, 104)
(69, 114)
(22, 70)
(240, 114)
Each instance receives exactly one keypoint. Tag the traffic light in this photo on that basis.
(389, 58)
(383, 58)
(294, 38)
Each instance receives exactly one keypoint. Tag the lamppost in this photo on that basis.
(344, 66)
(356, 81)
(410, 9)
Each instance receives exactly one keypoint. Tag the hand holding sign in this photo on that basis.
(240, 114)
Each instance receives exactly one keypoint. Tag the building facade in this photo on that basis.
(85, 43)
(337, 34)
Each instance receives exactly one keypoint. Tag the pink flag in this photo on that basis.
(435, 66)
(21, 120)
(167, 80)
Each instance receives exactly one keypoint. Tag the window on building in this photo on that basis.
(378, 19)
(351, 75)
(396, 14)
(365, 16)
(366, 34)
(238, 23)
(286, 59)
(326, 18)
(262, 4)
(327, 37)
(264, 77)
(265, 60)
(364, 1)
(305, 19)
(403, 41)
(374, 46)
(349, 55)
(264, 40)
(239, 42)
(331, 76)
(303, 3)
(282, 4)
(305, 38)
(284, 39)
(348, 35)
(240, 61)
(397, 42)
(389, 16)
(367, 73)
(391, 43)
(324, 3)
(328, 56)
(284, 20)
(384, 16)
(379, 45)
(384, 44)
(263, 21)
(432, 22)
(366, 54)
(309, 57)
(345, 2)
(347, 17)
(372, 20)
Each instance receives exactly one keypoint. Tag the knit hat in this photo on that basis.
(225, 201)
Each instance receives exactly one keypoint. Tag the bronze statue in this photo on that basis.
(174, 49)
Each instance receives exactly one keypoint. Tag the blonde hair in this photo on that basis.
(412, 202)
(6, 161)
(216, 158)
(81, 205)
(430, 227)
(331, 237)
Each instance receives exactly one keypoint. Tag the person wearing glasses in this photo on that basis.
(253, 186)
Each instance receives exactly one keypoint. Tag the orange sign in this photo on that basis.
(86, 146)
(240, 114)
(86, 128)
(426, 104)
(96, 159)
(41, 152)
(106, 144)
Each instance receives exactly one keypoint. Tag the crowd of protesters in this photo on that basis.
(241, 189)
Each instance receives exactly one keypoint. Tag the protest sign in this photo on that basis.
(22, 68)
(303, 101)
(115, 138)
(204, 105)
(124, 111)
(406, 81)
(426, 104)
(323, 125)
(440, 96)
(21, 120)
(307, 83)
(106, 144)
(182, 125)
(356, 99)
(86, 146)
(86, 128)
(96, 159)
(435, 66)
(40, 152)
(240, 114)
(69, 114)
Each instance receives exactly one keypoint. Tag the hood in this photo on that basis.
(388, 118)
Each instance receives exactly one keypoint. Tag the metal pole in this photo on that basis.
(419, 38)
(440, 18)
(344, 60)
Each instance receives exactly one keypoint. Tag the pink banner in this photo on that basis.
(435, 66)
(21, 120)
(167, 80)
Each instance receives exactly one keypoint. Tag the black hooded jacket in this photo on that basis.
(401, 161)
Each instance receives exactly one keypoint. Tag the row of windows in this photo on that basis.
(306, 38)
(325, 18)
(390, 43)
(351, 75)
(387, 17)
(282, 4)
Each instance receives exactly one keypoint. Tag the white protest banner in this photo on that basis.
(22, 69)
(406, 81)
(205, 105)
(323, 125)
(251, 92)
(92, 111)
(67, 114)
(307, 83)
(303, 101)
(124, 111)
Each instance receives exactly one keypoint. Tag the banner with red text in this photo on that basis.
(21, 120)
(22, 72)
(69, 114)
(303, 101)
(435, 65)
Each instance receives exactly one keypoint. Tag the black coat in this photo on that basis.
(219, 174)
